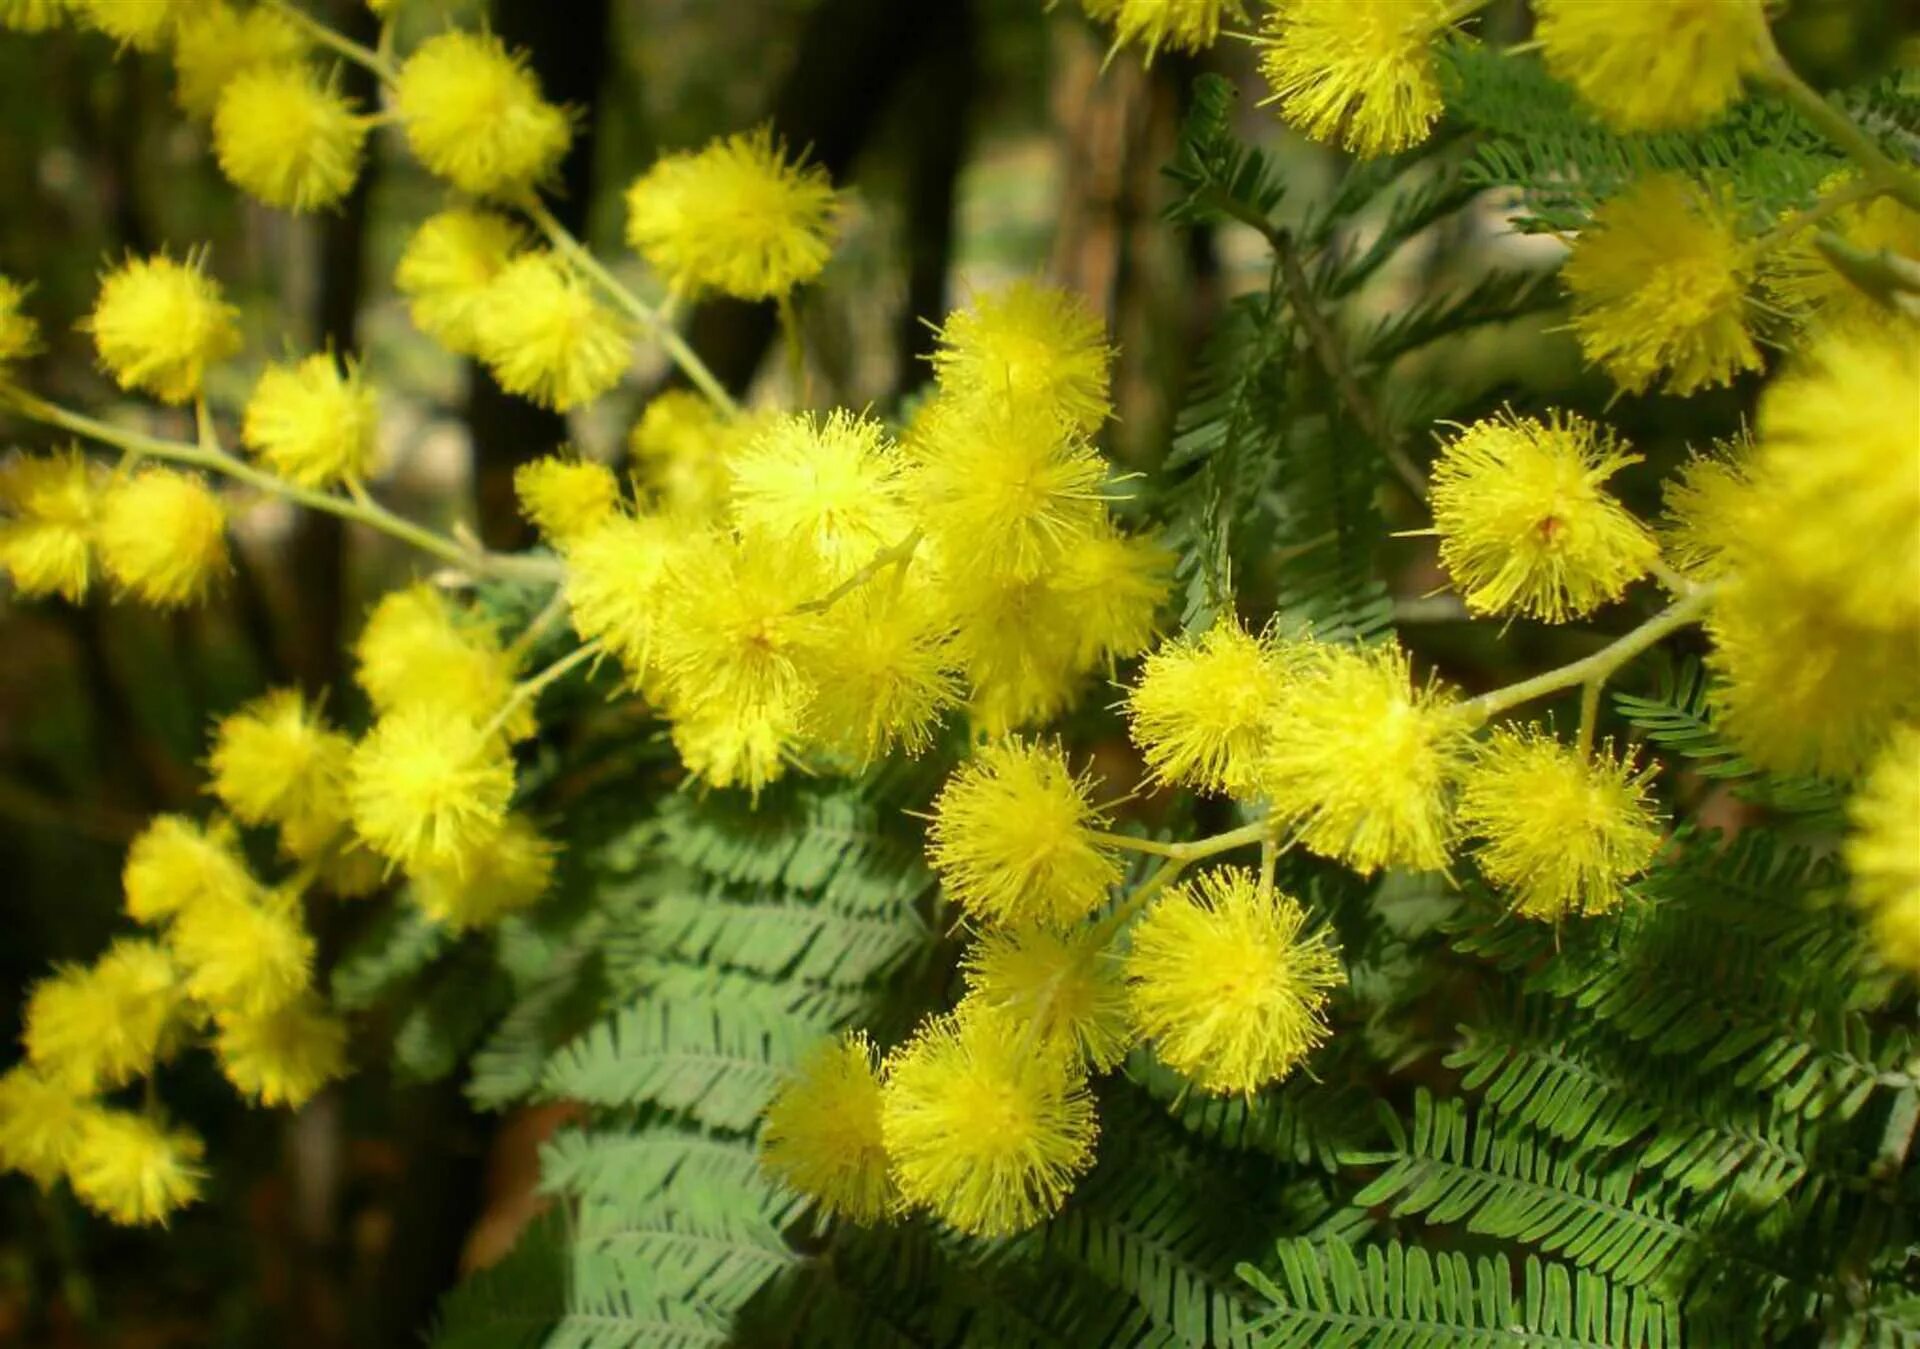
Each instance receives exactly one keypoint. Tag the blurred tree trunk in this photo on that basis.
(934, 110)
(568, 46)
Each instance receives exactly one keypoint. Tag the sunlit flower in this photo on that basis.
(545, 337)
(314, 422)
(49, 507)
(244, 957)
(509, 870)
(277, 759)
(1066, 989)
(159, 324)
(39, 1124)
(448, 265)
(429, 790)
(1660, 66)
(1355, 73)
(822, 1133)
(473, 114)
(95, 1027)
(215, 43)
(1202, 709)
(1883, 849)
(1028, 344)
(566, 498)
(283, 1057)
(132, 1169)
(163, 536)
(285, 136)
(175, 864)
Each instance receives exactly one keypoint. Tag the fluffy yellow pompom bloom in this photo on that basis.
(1013, 838)
(545, 337)
(19, 333)
(1837, 477)
(284, 1056)
(284, 136)
(32, 16)
(1065, 990)
(1799, 690)
(1659, 283)
(735, 217)
(1883, 849)
(133, 1170)
(1360, 759)
(566, 498)
(446, 269)
(92, 1028)
(1806, 284)
(1029, 344)
(1561, 830)
(216, 43)
(1176, 25)
(750, 746)
(1115, 584)
(1004, 485)
(159, 324)
(885, 673)
(48, 508)
(982, 1127)
(1525, 526)
(1019, 643)
(616, 575)
(244, 957)
(39, 1125)
(1708, 508)
(418, 651)
(508, 871)
(313, 422)
(1657, 66)
(822, 1134)
(1355, 73)
(829, 484)
(1203, 707)
(175, 864)
(428, 789)
(681, 448)
(1225, 980)
(163, 536)
(277, 759)
(140, 24)
(474, 115)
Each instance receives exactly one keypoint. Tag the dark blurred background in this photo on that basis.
(978, 141)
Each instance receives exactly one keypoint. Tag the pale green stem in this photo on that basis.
(1589, 714)
(1847, 194)
(1109, 927)
(339, 42)
(1192, 850)
(1846, 134)
(215, 460)
(898, 554)
(529, 689)
(542, 621)
(648, 317)
(796, 349)
(1598, 667)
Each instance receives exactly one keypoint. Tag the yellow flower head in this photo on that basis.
(216, 43)
(244, 957)
(1798, 689)
(1018, 641)
(446, 269)
(1525, 526)
(39, 1125)
(143, 26)
(1028, 344)
(175, 864)
(1803, 281)
(734, 633)
(1561, 830)
(1203, 708)
(738, 746)
(474, 116)
(277, 759)
(735, 217)
(1837, 477)
(48, 505)
(616, 575)
(428, 789)
(1709, 506)
(284, 1056)
(1013, 838)
(1176, 25)
(681, 447)
(418, 651)
(1114, 585)
(566, 498)
(1355, 73)
(95, 1027)
(885, 673)
(1065, 990)
(288, 138)
(822, 1134)
(132, 1170)
(1659, 282)
(348, 868)
(33, 16)
(19, 333)
(313, 422)
(1004, 485)
(545, 337)
(1883, 850)
(159, 324)
(1359, 759)
(1225, 980)
(508, 871)
(1667, 65)
(163, 536)
(983, 1127)
(831, 485)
